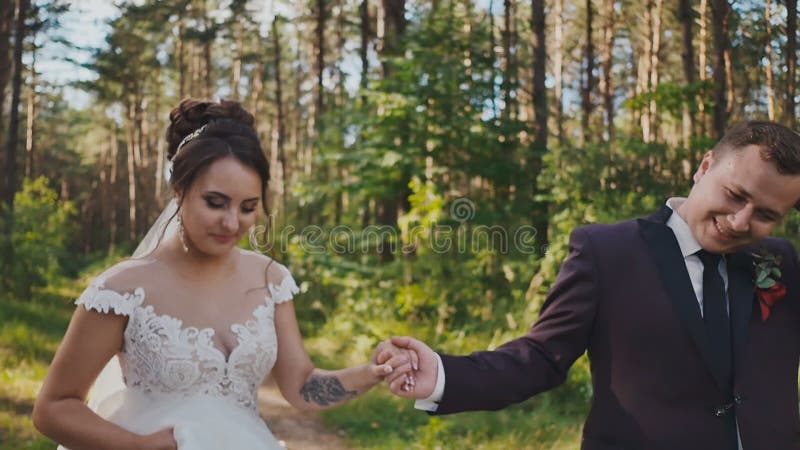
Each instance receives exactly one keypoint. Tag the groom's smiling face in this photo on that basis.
(738, 198)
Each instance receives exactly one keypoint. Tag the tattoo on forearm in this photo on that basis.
(325, 391)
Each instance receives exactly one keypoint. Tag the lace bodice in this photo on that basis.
(160, 357)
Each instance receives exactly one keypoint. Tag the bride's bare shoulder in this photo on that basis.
(129, 274)
(263, 266)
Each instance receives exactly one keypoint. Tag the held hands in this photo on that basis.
(388, 360)
(414, 367)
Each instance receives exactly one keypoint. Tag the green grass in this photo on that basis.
(30, 331)
(379, 421)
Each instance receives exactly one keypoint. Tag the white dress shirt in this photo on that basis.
(688, 245)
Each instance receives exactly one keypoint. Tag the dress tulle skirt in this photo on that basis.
(199, 423)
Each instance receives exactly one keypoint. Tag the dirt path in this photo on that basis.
(298, 430)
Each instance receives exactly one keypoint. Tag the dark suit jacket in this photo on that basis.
(624, 295)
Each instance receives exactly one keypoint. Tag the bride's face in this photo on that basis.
(220, 206)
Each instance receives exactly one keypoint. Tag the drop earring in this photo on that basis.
(181, 236)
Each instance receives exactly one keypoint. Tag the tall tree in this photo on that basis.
(655, 50)
(702, 61)
(686, 18)
(539, 218)
(363, 49)
(180, 53)
(539, 73)
(208, 37)
(789, 112)
(321, 12)
(391, 27)
(13, 124)
(607, 82)
(30, 117)
(768, 60)
(10, 172)
(720, 14)
(588, 81)
(6, 19)
(279, 128)
(558, 66)
(509, 62)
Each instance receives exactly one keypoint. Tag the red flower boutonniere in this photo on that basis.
(769, 289)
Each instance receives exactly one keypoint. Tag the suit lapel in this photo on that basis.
(667, 255)
(741, 295)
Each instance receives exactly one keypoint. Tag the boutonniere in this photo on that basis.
(769, 289)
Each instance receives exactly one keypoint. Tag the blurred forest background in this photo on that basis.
(398, 116)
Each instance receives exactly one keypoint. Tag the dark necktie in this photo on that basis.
(715, 314)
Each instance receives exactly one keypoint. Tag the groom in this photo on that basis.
(686, 352)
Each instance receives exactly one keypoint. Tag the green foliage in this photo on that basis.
(672, 97)
(42, 229)
(30, 331)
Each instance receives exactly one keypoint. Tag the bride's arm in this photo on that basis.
(60, 413)
(308, 388)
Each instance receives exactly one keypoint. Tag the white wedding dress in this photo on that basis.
(175, 376)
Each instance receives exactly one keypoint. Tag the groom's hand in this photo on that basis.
(423, 379)
(389, 358)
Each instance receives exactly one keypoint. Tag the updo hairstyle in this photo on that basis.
(218, 129)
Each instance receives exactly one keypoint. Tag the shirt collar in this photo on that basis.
(686, 241)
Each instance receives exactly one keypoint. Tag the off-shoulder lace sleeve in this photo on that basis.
(97, 297)
(285, 288)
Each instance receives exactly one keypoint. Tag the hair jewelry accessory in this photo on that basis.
(189, 137)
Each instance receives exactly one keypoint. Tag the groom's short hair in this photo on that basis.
(777, 143)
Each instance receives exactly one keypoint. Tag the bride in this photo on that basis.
(195, 322)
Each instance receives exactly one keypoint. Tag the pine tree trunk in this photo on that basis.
(588, 84)
(391, 26)
(558, 66)
(103, 173)
(686, 17)
(539, 73)
(644, 71)
(13, 123)
(158, 193)
(791, 64)
(112, 204)
(257, 81)
(363, 12)
(509, 69)
(278, 129)
(194, 83)
(654, 74)
(607, 82)
(180, 50)
(236, 72)
(720, 13)
(729, 96)
(339, 99)
(130, 147)
(6, 19)
(538, 23)
(30, 120)
(319, 62)
(208, 41)
(702, 62)
(768, 58)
